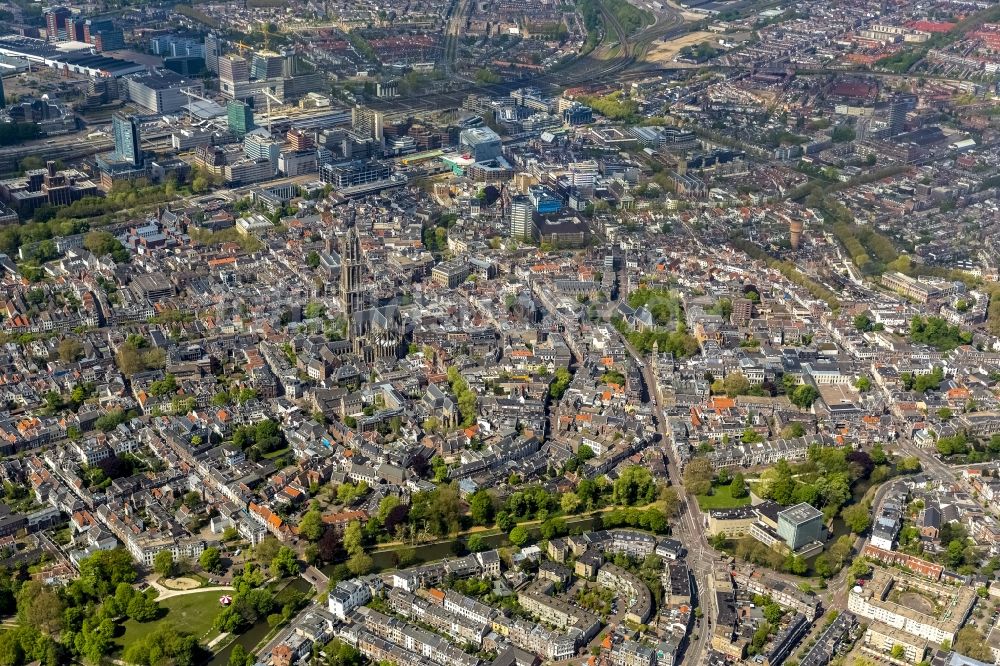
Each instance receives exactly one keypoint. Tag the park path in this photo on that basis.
(165, 593)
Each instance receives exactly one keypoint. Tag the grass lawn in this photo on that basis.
(193, 613)
(275, 454)
(721, 498)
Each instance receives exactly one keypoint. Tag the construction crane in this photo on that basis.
(191, 93)
(265, 29)
(268, 95)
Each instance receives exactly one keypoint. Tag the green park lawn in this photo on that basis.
(721, 498)
(193, 613)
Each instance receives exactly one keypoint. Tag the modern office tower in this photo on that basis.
(288, 67)
(266, 65)
(128, 142)
(213, 49)
(234, 74)
(351, 272)
(240, 117)
(897, 115)
(483, 143)
(368, 122)
(522, 225)
(258, 145)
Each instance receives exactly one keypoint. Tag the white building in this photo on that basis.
(346, 596)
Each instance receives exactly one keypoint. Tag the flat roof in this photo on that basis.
(800, 513)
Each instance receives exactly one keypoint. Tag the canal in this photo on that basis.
(386, 560)
(252, 636)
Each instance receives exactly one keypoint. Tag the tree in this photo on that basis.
(163, 563)
(857, 517)
(971, 643)
(284, 563)
(38, 605)
(634, 486)
(804, 396)
(354, 538)
(736, 384)
(738, 486)
(70, 350)
(360, 563)
(329, 546)
(698, 474)
(239, 657)
(311, 526)
(670, 501)
(481, 507)
(898, 651)
(209, 560)
(518, 536)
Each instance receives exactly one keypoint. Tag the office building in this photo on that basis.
(128, 141)
(258, 145)
(896, 116)
(74, 28)
(355, 173)
(800, 525)
(545, 201)
(161, 91)
(577, 114)
(103, 34)
(368, 122)
(266, 65)
(45, 187)
(213, 50)
(482, 143)
(240, 118)
(234, 74)
(522, 226)
(299, 140)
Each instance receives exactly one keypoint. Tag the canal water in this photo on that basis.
(249, 638)
(384, 560)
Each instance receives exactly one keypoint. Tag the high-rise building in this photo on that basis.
(522, 225)
(288, 67)
(258, 145)
(368, 122)
(483, 143)
(233, 71)
(128, 142)
(240, 117)
(299, 140)
(55, 23)
(74, 29)
(213, 49)
(266, 65)
(351, 272)
(92, 27)
(897, 115)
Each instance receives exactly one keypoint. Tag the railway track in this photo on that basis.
(583, 71)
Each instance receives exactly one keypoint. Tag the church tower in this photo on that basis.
(351, 269)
